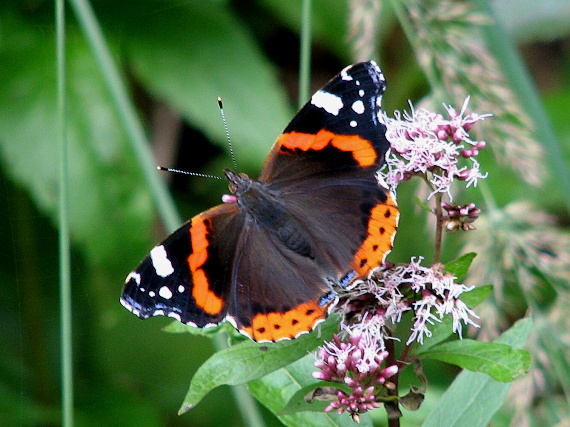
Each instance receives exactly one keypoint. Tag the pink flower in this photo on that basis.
(356, 361)
(426, 143)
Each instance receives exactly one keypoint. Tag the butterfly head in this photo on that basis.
(239, 184)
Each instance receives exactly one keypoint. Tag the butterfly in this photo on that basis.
(269, 258)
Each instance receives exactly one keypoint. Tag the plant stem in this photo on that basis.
(305, 54)
(126, 111)
(66, 349)
(392, 406)
(404, 355)
(438, 229)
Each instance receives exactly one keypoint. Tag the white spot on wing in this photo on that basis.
(361, 93)
(175, 316)
(135, 276)
(353, 123)
(165, 293)
(329, 102)
(344, 74)
(358, 107)
(160, 261)
(151, 294)
(181, 288)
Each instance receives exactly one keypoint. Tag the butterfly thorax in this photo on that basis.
(263, 207)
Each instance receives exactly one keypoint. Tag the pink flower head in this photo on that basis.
(356, 361)
(427, 143)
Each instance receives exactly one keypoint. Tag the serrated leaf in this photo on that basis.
(249, 360)
(459, 267)
(499, 361)
(176, 327)
(276, 389)
(473, 398)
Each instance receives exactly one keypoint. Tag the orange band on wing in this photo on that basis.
(292, 323)
(204, 297)
(382, 227)
(361, 149)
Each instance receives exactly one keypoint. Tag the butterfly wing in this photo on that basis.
(324, 168)
(187, 276)
(278, 293)
(336, 222)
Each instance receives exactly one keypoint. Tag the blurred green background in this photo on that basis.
(177, 57)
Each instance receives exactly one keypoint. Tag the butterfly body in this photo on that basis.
(269, 258)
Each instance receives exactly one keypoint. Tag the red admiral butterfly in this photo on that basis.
(268, 259)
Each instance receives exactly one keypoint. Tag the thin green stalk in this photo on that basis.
(64, 238)
(305, 54)
(127, 112)
(164, 203)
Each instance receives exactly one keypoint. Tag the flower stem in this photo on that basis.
(403, 356)
(392, 406)
(438, 228)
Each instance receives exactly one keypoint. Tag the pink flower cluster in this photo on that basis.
(357, 362)
(427, 143)
(370, 310)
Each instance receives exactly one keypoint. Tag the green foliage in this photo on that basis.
(248, 361)
(184, 55)
(279, 391)
(500, 362)
(473, 397)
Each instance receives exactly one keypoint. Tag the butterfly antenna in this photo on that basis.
(221, 107)
(203, 175)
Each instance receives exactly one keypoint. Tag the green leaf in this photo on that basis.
(477, 295)
(473, 398)
(249, 360)
(278, 388)
(176, 327)
(193, 52)
(101, 166)
(499, 361)
(314, 397)
(459, 267)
